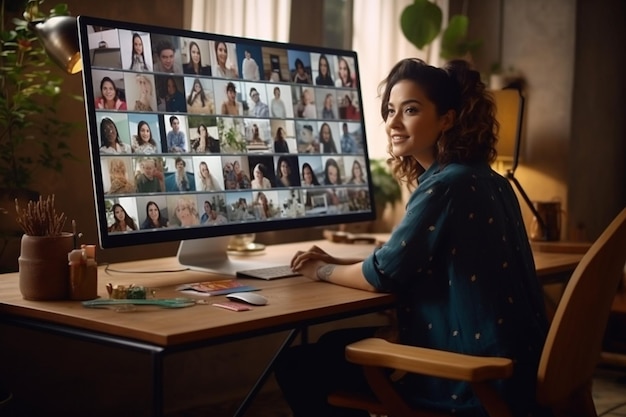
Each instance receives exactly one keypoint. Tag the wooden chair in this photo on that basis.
(567, 364)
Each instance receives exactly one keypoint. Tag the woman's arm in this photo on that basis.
(318, 265)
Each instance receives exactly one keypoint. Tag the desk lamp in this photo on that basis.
(58, 35)
(510, 115)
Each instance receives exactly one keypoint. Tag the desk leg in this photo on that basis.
(265, 374)
(157, 384)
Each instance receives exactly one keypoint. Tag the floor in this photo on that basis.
(609, 392)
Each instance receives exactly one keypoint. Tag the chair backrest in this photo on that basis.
(574, 341)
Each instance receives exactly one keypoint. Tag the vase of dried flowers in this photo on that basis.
(43, 266)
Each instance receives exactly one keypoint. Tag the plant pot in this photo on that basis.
(43, 267)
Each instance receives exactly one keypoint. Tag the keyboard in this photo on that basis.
(269, 273)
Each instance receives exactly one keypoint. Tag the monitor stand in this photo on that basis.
(211, 255)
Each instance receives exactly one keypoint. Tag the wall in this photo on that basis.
(597, 157)
(538, 36)
(573, 145)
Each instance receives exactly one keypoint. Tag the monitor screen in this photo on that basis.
(198, 135)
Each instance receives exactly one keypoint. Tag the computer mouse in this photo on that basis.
(248, 297)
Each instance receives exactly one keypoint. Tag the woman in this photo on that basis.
(186, 211)
(204, 142)
(277, 106)
(280, 143)
(306, 106)
(262, 206)
(309, 179)
(138, 60)
(122, 221)
(323, 72)
(256, 136)
(207, 181)
(223, 68)
(326, 139)
(110, 138)
(174, 99)
(351, 112)
(154, 219)
(242, 180)
(345, 75)
(231, 105)
(301, 76)
(194, 66)
(284, 173)
(460, 260)
(197, 101)
(332, 173)
(120, 184)
(357, 173)
(260, 182)
(146, 94)
(143, 142)
(230, 180)
(109, 98)
(328, 112)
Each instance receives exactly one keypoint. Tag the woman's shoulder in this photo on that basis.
(465, 172)
(462, 178)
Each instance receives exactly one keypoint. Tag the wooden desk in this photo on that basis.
(294, 303)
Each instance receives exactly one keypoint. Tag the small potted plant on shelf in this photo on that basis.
(43, 262)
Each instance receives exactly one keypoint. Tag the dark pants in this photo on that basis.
(306, 374)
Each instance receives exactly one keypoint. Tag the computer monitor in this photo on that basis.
(196, 137)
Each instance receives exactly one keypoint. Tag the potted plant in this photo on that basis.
(43, 261)
(31, 132)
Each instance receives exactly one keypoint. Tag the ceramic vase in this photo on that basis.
(43, 267)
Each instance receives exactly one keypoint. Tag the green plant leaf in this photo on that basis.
(454, 42)
(453, 36)
(421, 22)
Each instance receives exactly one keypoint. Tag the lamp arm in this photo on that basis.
(510, 175)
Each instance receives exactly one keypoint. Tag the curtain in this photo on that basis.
(380, 43)
(259, 19)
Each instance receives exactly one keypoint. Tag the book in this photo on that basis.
(218, 287)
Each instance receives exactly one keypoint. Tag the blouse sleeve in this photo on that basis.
(409, 248)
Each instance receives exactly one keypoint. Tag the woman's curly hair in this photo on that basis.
(473, 135)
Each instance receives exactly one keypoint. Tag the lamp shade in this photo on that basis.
(508, 106)
(59, 36)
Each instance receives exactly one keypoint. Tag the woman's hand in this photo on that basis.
(318, 265)
(308, 262)
(315, 253)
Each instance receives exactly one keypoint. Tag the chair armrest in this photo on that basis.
(437, 363)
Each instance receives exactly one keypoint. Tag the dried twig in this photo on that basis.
(40, 218)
